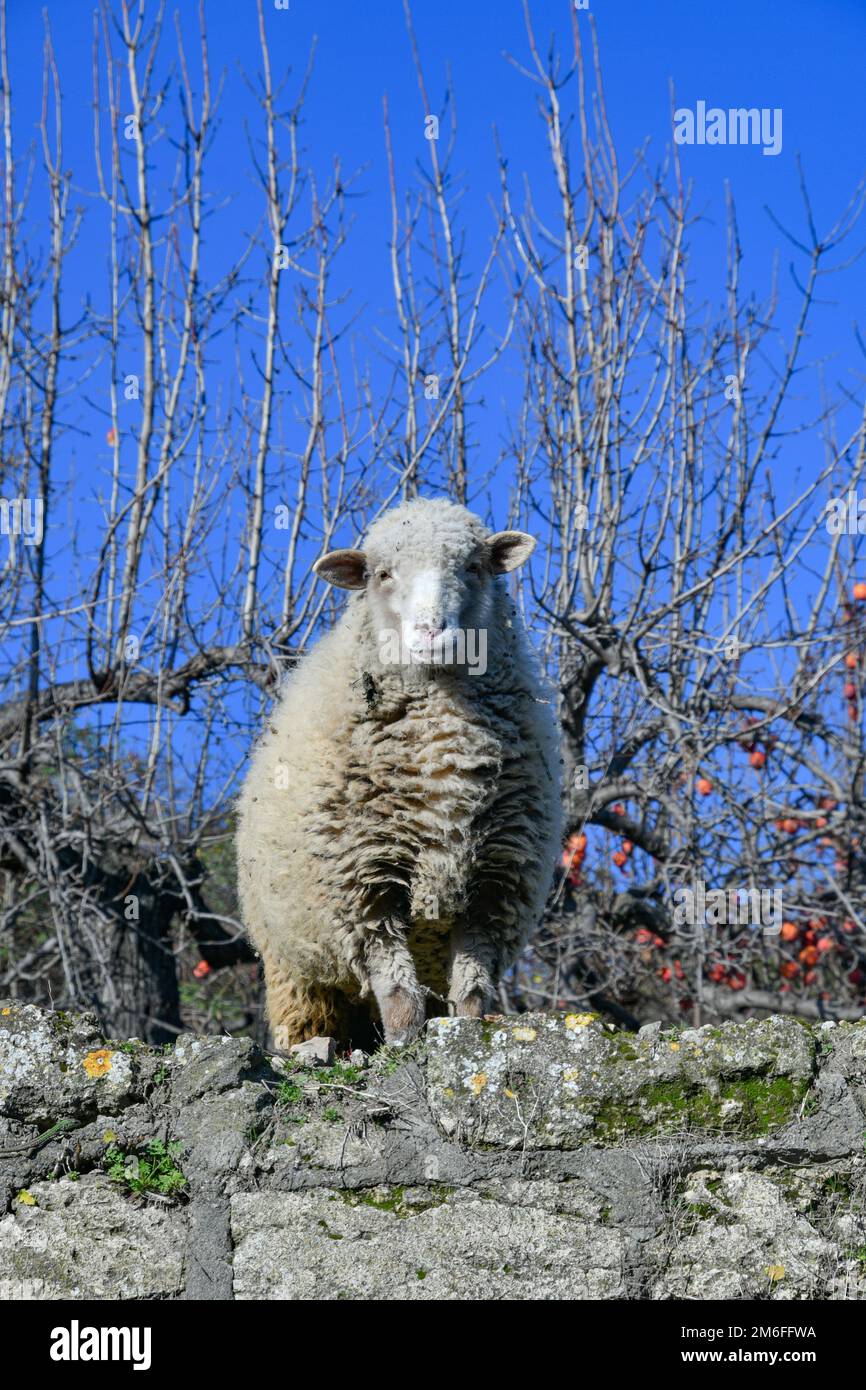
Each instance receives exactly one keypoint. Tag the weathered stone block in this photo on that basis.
(559, 1081)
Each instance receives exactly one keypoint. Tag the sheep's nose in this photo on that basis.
(431, 629)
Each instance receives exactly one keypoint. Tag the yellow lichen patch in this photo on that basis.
(448, 1092)
(775, 1272)
(98, 1062)
(512, 1095)
(570, 1075)
(109, 1137)
(675, 1047)
(27, 1198)
(573, 1021)
(4, 1012)
(524, 1034)
(478, 1082)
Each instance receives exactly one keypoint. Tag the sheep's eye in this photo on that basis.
(474, 569)
(383, 575)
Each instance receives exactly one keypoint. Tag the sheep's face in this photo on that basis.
(429, 609)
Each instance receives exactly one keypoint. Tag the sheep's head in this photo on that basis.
(429, 572)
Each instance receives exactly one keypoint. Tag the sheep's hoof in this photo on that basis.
(402, 1018)
(472, 1006)
(402, 1038)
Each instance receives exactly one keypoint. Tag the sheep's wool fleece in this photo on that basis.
(381, 794)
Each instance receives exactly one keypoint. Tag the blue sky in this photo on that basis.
(803, 57)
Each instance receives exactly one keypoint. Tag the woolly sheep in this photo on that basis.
(399, 823)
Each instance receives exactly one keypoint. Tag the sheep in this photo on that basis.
(400, 820)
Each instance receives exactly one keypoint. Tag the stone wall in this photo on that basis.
(538, 1157)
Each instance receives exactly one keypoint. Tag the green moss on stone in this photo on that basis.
(764, 1104)
(393, 1199)
(625, 1048)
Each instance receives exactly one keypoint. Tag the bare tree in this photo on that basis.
(158, 620)
(696, 616)
(646, 447)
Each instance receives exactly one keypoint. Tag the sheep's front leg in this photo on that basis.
(474, 960)
(394, 982)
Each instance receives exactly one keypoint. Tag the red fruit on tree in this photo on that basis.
(851, 661)
(860, 591)
(757, 758)
(704, 786)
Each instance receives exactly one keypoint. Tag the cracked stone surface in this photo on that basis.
(538, 1157)
(84, 1240)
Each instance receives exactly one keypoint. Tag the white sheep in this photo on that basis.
(400, 820)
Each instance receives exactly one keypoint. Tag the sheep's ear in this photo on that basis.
(508, 549)
(345, 569)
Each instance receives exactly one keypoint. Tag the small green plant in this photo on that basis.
(389, 1058)
(154, 1170)
(332, 1114)
(288, 1093)
(342, 1072)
